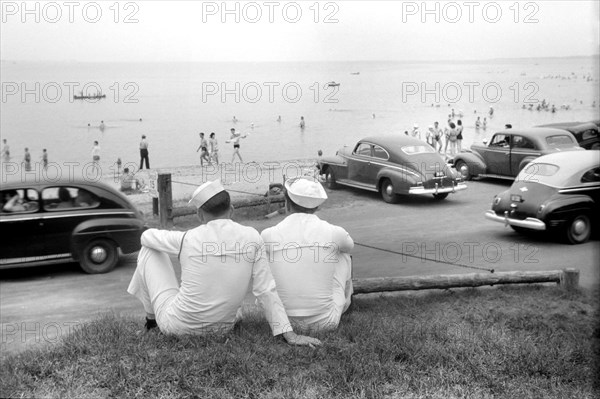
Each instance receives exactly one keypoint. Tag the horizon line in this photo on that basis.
(462, 61)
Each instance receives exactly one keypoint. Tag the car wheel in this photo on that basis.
(579, 229)
(99, 256)
(330, 179)
(463, 169)
(387, 192)
(441, 196)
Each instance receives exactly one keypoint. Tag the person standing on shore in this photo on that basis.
(5, 151)
(451, 137)
(144, 153)
(96, 153)
(214, 148)
(459, 135)
(302, 123)
(203, 147)
(27, 160)
(45, 159)
(437, 137)
(235, 139)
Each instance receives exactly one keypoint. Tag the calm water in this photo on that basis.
(173, 111)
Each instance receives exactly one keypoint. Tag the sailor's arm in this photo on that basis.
(342, 239)
(163, 240)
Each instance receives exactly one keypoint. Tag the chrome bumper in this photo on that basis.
(437, 190)
(529, 223)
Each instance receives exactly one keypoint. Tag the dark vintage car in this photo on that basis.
(586, 133)
(510, 150)
(45, 223)
(391, 165)
(558, 192)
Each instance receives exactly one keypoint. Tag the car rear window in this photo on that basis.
(560, 140)
(417, 149)
(63, 198)
(535, 172)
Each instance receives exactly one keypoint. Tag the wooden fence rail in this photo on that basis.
(568, 278)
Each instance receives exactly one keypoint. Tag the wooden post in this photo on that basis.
(154, 206)
(165, 199)
(569, 279)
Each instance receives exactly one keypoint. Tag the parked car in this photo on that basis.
(557, 192)
(66, 221)
(510, 150)
(392, 165)
(586, 133)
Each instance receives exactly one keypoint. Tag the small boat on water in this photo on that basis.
(354, 73)
(332, 84)
(81, 96)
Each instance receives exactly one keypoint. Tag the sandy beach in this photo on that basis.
(241, 180)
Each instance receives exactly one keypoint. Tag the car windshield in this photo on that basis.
(560, 140)
(417, 149)
(536, 172)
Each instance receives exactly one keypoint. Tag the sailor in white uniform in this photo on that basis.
(310, 260)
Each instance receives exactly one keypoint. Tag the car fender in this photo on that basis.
(402, 179)
(475, 162)
(566, 204)
(126, 233)
(334, 162)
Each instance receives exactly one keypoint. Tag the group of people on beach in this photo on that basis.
(209, 149)
(26, 162)
(451, 136)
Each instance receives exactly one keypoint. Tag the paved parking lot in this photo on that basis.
(420, 236)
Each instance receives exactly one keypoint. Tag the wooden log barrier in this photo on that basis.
(568, 278)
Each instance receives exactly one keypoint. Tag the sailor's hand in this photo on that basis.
(302, 340)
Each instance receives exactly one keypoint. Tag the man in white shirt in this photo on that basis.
(310, 260)
(218, 261)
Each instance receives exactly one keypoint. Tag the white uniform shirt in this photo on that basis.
(305, 253)
(218, 261)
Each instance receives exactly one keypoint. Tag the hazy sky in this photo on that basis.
(296, 31)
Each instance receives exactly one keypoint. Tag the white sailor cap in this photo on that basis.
(206, 192)
(306, 192)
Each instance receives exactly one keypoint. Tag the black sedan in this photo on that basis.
(510, 150)
(558, 192)
(393, 166)
(65, 221)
